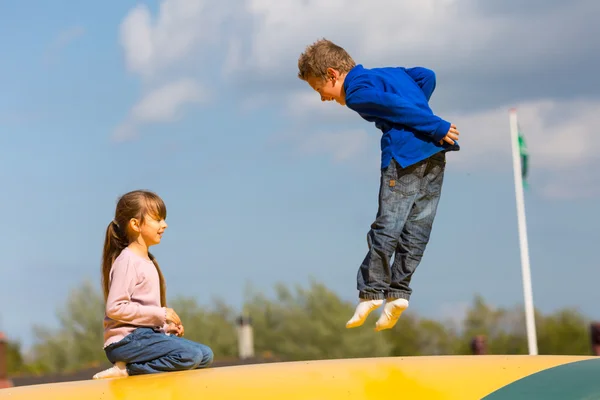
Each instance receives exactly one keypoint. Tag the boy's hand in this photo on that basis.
(451, 136)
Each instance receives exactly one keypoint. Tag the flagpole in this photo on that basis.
(525, 268)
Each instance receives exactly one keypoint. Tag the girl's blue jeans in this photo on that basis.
(146, 351)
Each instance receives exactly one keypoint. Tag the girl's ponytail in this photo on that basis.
(161, 277)
(114, 242)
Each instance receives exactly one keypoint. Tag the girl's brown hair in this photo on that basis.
(136, 204)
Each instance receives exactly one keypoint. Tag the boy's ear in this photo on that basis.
(332, 73)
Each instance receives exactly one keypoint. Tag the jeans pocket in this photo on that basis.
(408, 179)
(434, 177)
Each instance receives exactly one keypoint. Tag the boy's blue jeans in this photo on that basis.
(146, 351)
(408, 200)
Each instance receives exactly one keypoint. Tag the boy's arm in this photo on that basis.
(118, 303)
(370, 102)
(424, 77)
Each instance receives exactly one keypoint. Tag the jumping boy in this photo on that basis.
(413, 158)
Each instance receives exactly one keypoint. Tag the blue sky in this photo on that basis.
(199, 101)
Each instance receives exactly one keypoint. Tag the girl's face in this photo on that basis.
(152, 229)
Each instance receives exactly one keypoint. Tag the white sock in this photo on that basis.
(117, 370)
(363, 310)
(391, 312)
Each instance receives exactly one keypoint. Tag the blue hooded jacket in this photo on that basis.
(396, 99)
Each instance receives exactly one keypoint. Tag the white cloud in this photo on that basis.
(136, 39)
(307, 104)
(560, 139)
(352, 147)
(342, 146)
(326, 128)
(61, 41)
(474, 46)
(454, 34)
(488, 58)
(484, 55)
(152, 46)
(559, 134)
(163, 104)
(572, 184)
(353, 25)
(160, 50)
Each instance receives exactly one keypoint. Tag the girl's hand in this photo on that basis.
(180, 330)
(173, 329)
(172, 317)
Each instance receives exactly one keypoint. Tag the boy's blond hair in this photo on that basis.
(321, 55)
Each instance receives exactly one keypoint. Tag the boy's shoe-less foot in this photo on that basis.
(363, 310)
(117, 370)
(391, 312)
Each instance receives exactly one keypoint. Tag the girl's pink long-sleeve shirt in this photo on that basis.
(133, 299)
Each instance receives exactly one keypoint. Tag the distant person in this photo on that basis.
(479, 345)
(414, 143)
(141, 334)
(595, 337)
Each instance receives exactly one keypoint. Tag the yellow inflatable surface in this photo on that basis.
(403, 378)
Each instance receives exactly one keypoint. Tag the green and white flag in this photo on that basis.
(524, 157)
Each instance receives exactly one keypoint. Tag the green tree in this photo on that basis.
(309, 324)
(78, 340)
(15, 364)
(303, 324)
(214, 326)
(413, 336)
(566, 332)
(504, 329)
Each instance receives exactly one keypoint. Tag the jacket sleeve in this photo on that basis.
(368, 101)
(425, 78)
(119, 306)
